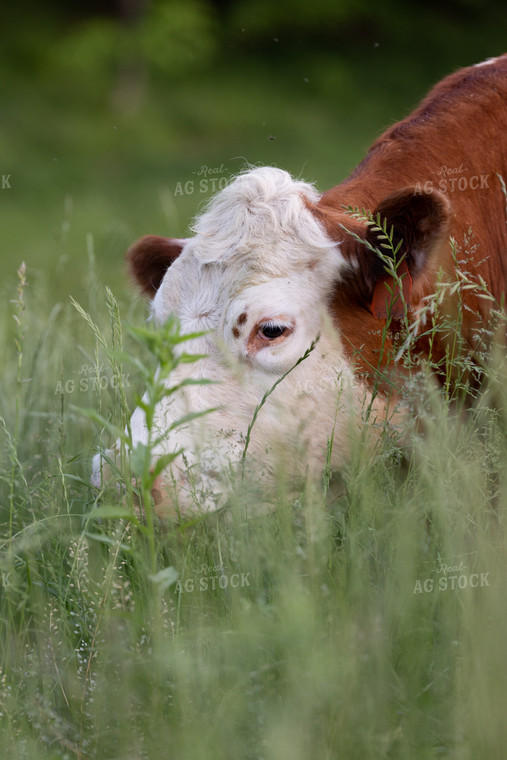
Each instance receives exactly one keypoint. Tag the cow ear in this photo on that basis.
(419, 223)
(149, 259)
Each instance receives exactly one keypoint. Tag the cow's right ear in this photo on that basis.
(149, 259)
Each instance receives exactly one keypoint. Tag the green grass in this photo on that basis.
(311, 630)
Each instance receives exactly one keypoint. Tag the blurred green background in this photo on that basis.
(119, 118)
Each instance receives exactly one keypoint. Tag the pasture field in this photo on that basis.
(362, 618)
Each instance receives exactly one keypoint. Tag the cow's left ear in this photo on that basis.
(420, 222)
(149, 259)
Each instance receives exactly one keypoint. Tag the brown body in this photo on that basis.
(448, 154)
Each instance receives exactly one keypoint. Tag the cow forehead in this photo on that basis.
(262, 219)
(281, 295)
(257, 231)
(204, 296)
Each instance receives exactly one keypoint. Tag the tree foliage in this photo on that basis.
(178, 37)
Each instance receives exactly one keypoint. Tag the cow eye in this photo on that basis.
(271, 331)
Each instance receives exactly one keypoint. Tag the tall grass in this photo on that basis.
(361, 619)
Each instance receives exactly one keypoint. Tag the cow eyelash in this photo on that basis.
(272, 330)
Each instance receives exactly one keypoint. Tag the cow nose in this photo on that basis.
(165, 506)
(157, 492)
(163, 503)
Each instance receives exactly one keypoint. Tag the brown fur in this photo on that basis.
(149, 258)
(461, 125)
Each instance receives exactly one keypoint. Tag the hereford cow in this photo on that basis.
(273, 264)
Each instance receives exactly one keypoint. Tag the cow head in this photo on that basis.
(259, 275)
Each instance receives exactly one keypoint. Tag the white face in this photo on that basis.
(271, 325)
(258, 275)
(267, 326)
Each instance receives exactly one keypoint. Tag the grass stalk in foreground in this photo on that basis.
(318, 629)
